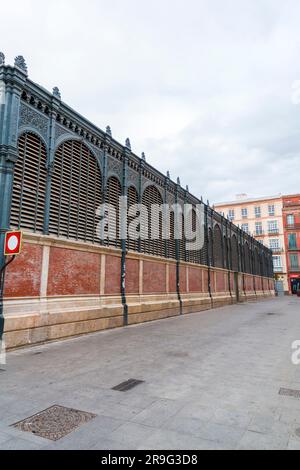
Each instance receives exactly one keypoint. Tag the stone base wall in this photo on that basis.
(58, 288)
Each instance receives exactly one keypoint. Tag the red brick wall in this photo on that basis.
(182, 279)
(220, 282)
(195, 279)
(112, 275)
(172, 278)
(154, 277)
(73, 272)
(23, 275)
(132, 276)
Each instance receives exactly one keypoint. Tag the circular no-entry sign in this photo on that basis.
(13, 242)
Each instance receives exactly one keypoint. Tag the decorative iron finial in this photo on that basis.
(207, 202)
(127, 143)
(2, 58)
(168, 175)
(178, 181)
(56, 93)
(143, 156)
(108, 131)
(201, 198)
(187, 188)
(21, 64)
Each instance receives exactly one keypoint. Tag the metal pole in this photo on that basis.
(2, 279)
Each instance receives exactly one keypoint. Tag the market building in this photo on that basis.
(56, 170)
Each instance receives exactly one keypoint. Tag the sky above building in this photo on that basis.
(209, 90)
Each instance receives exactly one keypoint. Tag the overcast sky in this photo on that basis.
(203, 87)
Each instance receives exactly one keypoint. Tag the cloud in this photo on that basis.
(203, 88)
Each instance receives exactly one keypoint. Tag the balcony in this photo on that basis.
(259, 233)
(278, 269)
(292, 226)
(273, 231)
(279, 249)
(293, 248)
(294, 269)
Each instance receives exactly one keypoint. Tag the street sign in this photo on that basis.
(13, 243)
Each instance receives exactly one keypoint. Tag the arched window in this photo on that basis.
(132, 199)
(113, 193)
(29, 184)
(171, 242)
(150, 197)
(247, 258)
(218, 253)
(193, 255)
(76, 193)
(210, 247)
(256, 262)
(234, 253)
(182, 241)
(225, 248)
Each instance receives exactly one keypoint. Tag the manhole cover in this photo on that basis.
(54, 422)
(128, 385)
(289, 392)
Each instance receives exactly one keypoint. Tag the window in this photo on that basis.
(290, 219)
(76, 193)
(294, 262)
(258, 228)
(231, 214)
(245, 227)
(257, 211)
(272, 226)
(277, 261)
(271, 209)
(29, 185)
(274, 244)
(244, 213)
(292, 241)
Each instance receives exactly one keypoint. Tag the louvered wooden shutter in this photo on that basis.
(29, 184)
(132, 199)
(247, 254)
(75, 193)
(171, 241)
(151, 196)
(182, 242)
(234, 253)
(218, 256)
(113, 193)
(225, 248)
(194, 255)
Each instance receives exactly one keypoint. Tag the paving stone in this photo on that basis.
(211, 381)
(257, 441)
(156, 414)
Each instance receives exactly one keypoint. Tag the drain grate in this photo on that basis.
(128, 385)
(289, 392)
(54, 422)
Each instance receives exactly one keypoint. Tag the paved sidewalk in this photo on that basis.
(211, 381)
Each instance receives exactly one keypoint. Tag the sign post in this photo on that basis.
(12, 247)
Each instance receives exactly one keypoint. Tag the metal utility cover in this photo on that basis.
(128, 385)
(54, 422)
